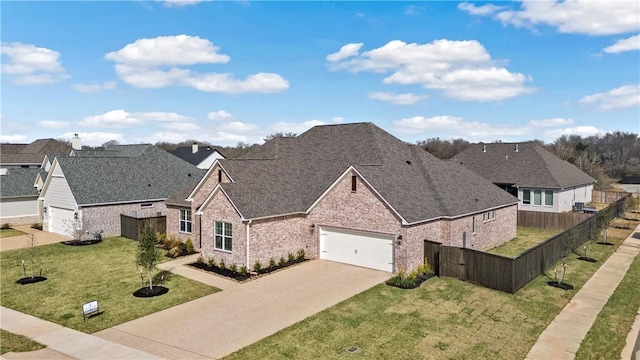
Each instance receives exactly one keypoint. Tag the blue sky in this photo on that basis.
(229, 72)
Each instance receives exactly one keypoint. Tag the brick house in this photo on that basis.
(350, 193)
(541, 181)
(90, 189)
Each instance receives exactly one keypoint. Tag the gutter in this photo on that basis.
(248, 237)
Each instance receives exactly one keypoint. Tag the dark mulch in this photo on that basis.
(604, 243)
(30, 280)
(145, 292)
(584, 258)
(240, 277)
(410, 285)
(82, 242)
(560, 285)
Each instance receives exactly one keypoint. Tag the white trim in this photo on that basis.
(205, 178)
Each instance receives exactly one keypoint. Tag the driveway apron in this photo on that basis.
(224, 322)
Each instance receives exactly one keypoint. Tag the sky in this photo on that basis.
(236, 71)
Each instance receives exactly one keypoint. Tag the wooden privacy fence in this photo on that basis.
(607, 197)
(510, 274)
(556, 221)
(131, 227)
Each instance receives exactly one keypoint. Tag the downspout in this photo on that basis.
(248, 230)
(200, 231)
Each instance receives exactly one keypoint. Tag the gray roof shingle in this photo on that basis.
(287, 175)
(19, 183)
(186, 153)
(126, 173)
(31, 153)
(530, 166)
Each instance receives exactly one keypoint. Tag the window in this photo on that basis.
(526, 196)
(493, 215)
(548, 198)
(537, 197)
(146, 205)
(473, 224)
(353, 183)
(185, 221)
(219, 175)
(484, 217)
(223, 236)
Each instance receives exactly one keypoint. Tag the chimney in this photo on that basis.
(194, 148)
(516, 147)
(484, 148)
(76, 142)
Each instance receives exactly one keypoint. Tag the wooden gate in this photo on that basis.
(452, 262)
(432, 255)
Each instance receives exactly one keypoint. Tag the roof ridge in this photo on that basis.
(430, 183)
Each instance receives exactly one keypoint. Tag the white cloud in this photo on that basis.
(181, 127)
(158, 62)
(622, 97)
(551, 122)
(17, 138)
(180, 3)
(219, 115)
(463, 70)
(121, 118)
(238, 127)
(94, 138)
(628, 44)
(337, 120)
(31, 65)
(346, 51)
(50, 124)
(94, 88)
(483, 10)
(574, 17)
(584, 131)
(397, 99)
(297, 128)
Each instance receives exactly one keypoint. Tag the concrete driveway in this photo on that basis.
(21, 241)
(221, 323)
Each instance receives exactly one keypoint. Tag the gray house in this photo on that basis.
(89, 189)
(541, 180)
(200, 156)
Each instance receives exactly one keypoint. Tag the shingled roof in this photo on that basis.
(18, 182)
(186, 153)
(31, 153)
(530, 166)
(287, 175)
(126, 173)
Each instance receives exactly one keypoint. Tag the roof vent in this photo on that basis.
(409, 162)
(194, 148)
(4, 171)
(516, 147)
(484, 148)
(506, 157)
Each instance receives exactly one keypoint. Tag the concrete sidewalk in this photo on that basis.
(62, 342)
(562, 338)
(22, 241)
(177, 267)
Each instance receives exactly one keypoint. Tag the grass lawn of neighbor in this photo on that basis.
(444, 318)
(526, 238)
(4, 233)
(106, 272)
(10, 342)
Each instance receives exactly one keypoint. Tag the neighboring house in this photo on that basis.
(19, 195)
(30, 155)
(90, 189)
(200, 156)
(351, 193)
(540, 180)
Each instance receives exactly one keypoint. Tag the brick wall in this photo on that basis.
(488, 234)
(220, 209)
(107, 217)
(173, 225)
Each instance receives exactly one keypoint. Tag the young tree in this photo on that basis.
(148, 254)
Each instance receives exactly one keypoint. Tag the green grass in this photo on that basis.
(78, 274)
(10, 342)
(607, 336)
(442, 319)
(4, 233)
(526, 238)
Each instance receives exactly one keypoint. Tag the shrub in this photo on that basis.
(5, 226)
(427, 267)
(211, 262)
(174, 252)
(282, 261)
(233, 267)
(290, 257)
(200, 260)
(189, 245)
(272, 263)
(257, 266)
(37, 226)
(162, 238)
(222, 265)
(244, 271)
(300, 255)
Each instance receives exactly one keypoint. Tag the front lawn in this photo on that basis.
(10, 342)
(525, 239)
(4, 233)
(442, 319)
(79, 274)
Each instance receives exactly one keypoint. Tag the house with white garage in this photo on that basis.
(19, 195)
(90, 189)
(200, 156)
(350, 193)
(541, 181)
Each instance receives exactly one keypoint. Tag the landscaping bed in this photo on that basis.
(105, 272)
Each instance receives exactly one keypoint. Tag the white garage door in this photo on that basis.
(61, 221)
(357, 248)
